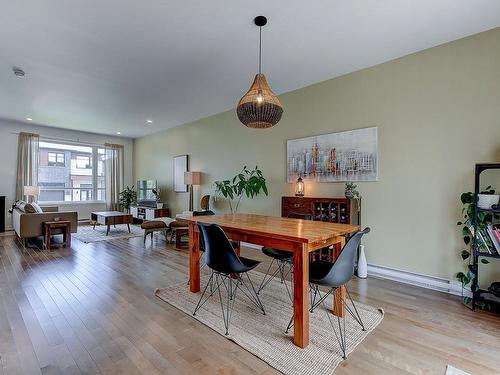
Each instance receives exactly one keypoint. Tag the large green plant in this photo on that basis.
(249, 183)
(128, 197)
(469, 200)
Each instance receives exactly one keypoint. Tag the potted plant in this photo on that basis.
(127, 198)
(156, 193)
(350, 190)
(248, 182)
(483, 220)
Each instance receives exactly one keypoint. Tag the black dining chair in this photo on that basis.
(202, 244)
(203, 213)
(333, 275)
(283, 260)
(228, 271)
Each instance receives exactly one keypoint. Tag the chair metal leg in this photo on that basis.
(267, 278)
(313, 296)
(341, 336)
(227, 313)
(290, 325)
(216, 283)
(251, 293)
(200, 303)
(355, 313)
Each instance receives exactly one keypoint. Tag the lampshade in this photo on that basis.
(192, 178)
(259, 107)
(31, 191)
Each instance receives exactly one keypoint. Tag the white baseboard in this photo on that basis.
(424, 281)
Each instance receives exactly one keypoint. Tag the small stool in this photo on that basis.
(51, 228)
(155, 226)
(180, 229)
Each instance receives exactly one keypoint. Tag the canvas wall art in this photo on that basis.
(180, 166)
(336, 157)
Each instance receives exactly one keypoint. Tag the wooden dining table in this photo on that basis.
(301, 237)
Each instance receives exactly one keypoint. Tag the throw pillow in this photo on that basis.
(20, 205)
(29, 209)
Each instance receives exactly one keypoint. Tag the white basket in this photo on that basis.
(487, 200)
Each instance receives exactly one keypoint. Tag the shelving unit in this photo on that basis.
(334, 210)
(476, 291)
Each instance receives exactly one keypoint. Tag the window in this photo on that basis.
(83, 162)
(55, 159)
(80, 174)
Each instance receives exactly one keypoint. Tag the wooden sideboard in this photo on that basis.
(334, 210)
(149, 213)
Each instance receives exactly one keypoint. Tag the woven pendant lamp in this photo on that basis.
(259, 108)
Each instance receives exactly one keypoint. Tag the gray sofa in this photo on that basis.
(28, 225)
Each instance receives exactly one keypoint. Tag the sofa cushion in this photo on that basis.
(37, 208)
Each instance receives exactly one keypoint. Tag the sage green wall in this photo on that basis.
(437, 112)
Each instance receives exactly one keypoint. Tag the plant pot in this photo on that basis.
(159, 205)
(349, 194)
(487, 200)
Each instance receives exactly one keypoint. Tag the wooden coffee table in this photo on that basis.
(109, 218)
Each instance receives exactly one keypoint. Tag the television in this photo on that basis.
(145, 196)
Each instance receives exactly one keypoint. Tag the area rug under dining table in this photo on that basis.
(264, 335)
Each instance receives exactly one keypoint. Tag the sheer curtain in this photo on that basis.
(114, 175)
(27, 162)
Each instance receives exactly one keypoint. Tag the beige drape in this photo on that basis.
(27, 163)
(114, 175)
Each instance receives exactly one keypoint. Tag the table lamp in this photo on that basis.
(299, 187)
(192, 179)
(31, 191)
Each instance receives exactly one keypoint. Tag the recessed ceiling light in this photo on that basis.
(29, 119)
(18, 72)
(118, 133)
(149, 121)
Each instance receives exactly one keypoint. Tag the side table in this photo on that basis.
(51, 228)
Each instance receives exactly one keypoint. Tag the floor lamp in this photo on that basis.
(192, 179)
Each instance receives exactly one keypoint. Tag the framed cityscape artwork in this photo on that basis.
(335, 157)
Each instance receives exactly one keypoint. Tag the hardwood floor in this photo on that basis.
(91, 309)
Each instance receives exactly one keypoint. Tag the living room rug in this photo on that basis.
(87, 234)
(264, 335)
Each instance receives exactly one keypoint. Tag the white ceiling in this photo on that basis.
(109, 65)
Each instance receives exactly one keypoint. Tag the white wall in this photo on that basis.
(9, 131)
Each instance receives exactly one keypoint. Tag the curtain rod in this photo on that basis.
(43, 137)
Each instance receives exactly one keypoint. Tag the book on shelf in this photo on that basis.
(483, 241)
(493, 231)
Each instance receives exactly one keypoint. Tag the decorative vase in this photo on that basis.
(362, 266)
(159, 205)
(487, 200)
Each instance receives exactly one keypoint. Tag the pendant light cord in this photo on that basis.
(260, 49)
